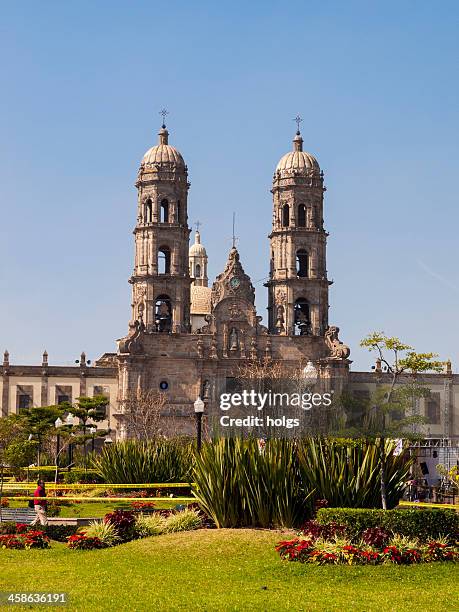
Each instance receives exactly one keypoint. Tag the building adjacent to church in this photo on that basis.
(186, 338)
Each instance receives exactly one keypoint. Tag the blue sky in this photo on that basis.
(82, 84)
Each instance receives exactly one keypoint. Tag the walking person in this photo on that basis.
(40, 504)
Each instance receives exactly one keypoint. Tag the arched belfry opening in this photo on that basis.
(285, 215)
(164, 260)
(301, 217)
(302, 317)
(302, 263)
(148, 211)
(164, 211)
(163, 313)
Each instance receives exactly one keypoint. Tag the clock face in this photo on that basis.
(235, 282)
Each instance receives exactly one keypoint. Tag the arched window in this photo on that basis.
(301, 219)
(302, 263)
(197, 271)
(163, 313)
(302, 320)
(148, 211)
(178, 212)
(164, 211)
(285, 215)
(164, 260)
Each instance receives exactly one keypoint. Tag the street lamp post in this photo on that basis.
(70, 420)
(58, 423)
(92, 431)
(198, 410)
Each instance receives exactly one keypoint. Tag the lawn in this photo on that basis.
(221, 570)
(95, 509)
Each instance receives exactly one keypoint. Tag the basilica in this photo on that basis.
(186, 337)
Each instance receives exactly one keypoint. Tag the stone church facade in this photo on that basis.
(187, 338)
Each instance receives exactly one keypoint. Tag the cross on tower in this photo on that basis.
(198, 225)
(164, 112)
(235, 238)
(298, 120)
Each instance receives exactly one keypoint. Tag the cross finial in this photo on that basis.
(164, 112)
(298, 120)
(198, 225)
(234, 226)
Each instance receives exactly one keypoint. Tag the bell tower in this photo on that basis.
(161, 280)
(298, 284)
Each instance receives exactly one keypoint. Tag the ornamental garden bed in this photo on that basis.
(349, 536)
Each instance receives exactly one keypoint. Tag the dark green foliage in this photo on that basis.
(238, 485)
(60, 533)
(347, 474)
(162, 460)
(7, 527)
(424, 524)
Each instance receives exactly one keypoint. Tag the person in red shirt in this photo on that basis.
(40, 504)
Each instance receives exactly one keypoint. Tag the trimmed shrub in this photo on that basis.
(60, 533)
(187, 520)
(149, 525)
(425, 524)
(8, 528)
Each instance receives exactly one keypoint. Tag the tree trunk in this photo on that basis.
(1, 492)
(383, 473)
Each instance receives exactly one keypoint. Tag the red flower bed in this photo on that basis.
(29, 538)
(80, 541)
(318, 552)
(143, 506)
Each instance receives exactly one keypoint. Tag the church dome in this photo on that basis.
(197, 248)
(163, 152)
(298, 160)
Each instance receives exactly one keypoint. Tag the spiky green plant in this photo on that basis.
(187, 520)
(149, 525)
(131, 461)
(239, 485)
(106, 532)
(346, 473)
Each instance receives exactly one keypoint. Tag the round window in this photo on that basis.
(164, 385)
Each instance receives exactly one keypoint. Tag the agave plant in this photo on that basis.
(131, 461)
(239, 485)
(346, 473)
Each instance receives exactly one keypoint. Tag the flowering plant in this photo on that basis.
(124, 523)
(27, 539)
(143, 506)
(80, 541)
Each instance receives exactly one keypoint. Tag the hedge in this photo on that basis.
(424, 524)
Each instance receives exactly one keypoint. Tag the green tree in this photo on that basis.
(39, 422)
(15, 449)
(399, 359)
(88, 409)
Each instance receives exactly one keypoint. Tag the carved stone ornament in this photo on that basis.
(132, 343)
(338, 350)
(281, 296)
(233, 280)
